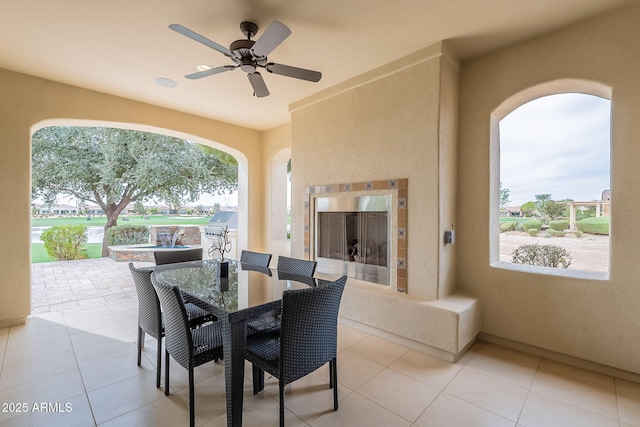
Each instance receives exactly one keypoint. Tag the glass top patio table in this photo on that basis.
(248, 291)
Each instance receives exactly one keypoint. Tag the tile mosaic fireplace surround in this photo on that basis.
(398, 188)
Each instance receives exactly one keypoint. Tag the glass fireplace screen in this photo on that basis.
(352, 236)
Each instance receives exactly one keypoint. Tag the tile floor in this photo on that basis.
(74, 364)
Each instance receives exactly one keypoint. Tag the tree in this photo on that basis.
(504, 196)
(541, 199)
(138, 207)
(115, 167)
(554, 209)
(528, 209)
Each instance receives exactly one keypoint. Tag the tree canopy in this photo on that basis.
(114, 167)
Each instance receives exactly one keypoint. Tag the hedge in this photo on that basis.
(559, 224)
(532, 223)
(65, 242)
(542, 255)
(593, 225)
(127, 235)
(508, 226)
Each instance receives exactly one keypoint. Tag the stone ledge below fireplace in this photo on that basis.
(443, 328)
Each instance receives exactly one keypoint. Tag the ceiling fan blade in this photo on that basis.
(200, 39)
(295, 72)
(210, 72)
(271, 38)
(259, 87)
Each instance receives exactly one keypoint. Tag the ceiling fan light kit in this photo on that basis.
(249, 55)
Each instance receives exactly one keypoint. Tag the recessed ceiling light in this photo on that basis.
(166, 82)
(203, 67)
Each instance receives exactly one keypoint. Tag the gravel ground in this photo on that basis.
(590, 252)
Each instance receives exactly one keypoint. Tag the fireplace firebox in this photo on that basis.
(352, 236)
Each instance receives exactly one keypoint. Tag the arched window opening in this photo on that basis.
(553, 187)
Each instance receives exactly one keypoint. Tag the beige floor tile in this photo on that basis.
(73, 412)
(629, 408)
(169, 411)
(357, 411)
(34, 351)
(347, 336)
(59, 388)
(110, 333)
(495, 395)
(449, 411)
(28, 334)
(587, 395)
(513, 370)
(104, 351)
(261, 410)
(92, 324)
(544, 411)
(310, 396)
(179, 376)
(73, 317)
(354, 370)
(34, 370)
(119, 398)
(210, 398)
(547, 365)
(113, 370)
(379, 350)
(398, 393)
(426, 369)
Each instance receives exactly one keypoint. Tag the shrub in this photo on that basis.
(508, 226)
(542, 255)
(64, 242)
(127, 235)
(559, 224)
(556, 233)
(532, 223)
(533, 232)
(578, 233)
(594, 225)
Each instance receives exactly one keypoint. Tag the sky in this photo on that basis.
(558, 145)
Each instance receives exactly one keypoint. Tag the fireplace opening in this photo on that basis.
(352, 236)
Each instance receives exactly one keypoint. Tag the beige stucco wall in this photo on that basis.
(596, 320)
(397, 121)
(27, 103)
(277, 152)
(383, 124)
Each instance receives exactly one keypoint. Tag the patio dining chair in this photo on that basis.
(301, 267)
(168, 256)
(306, 340)
(258, 259)
(292, 266)
(150, 318)
(189, 347)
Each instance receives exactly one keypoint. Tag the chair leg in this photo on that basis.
(281, 403)
(331, 367)
(166, 373)
(159, 361)
(258, 379)
(140, 344)
(192, 400)
(334, 377)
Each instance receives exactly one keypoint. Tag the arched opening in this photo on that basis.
(550, 151)
(280, 202)
(242, 193)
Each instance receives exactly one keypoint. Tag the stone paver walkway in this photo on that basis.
(69, 285)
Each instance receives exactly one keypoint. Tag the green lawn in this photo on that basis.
(132, 220)
(39, 253)
(94, 250)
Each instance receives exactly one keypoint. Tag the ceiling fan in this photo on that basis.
(249, 55)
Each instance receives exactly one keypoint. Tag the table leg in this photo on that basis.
(234, 340)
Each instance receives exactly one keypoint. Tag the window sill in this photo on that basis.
(550, 271)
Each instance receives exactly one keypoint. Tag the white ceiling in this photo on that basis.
(120, 47)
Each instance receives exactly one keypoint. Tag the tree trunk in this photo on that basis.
(112, 219)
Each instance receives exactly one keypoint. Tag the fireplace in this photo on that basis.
(359, 229)
(352, 236)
